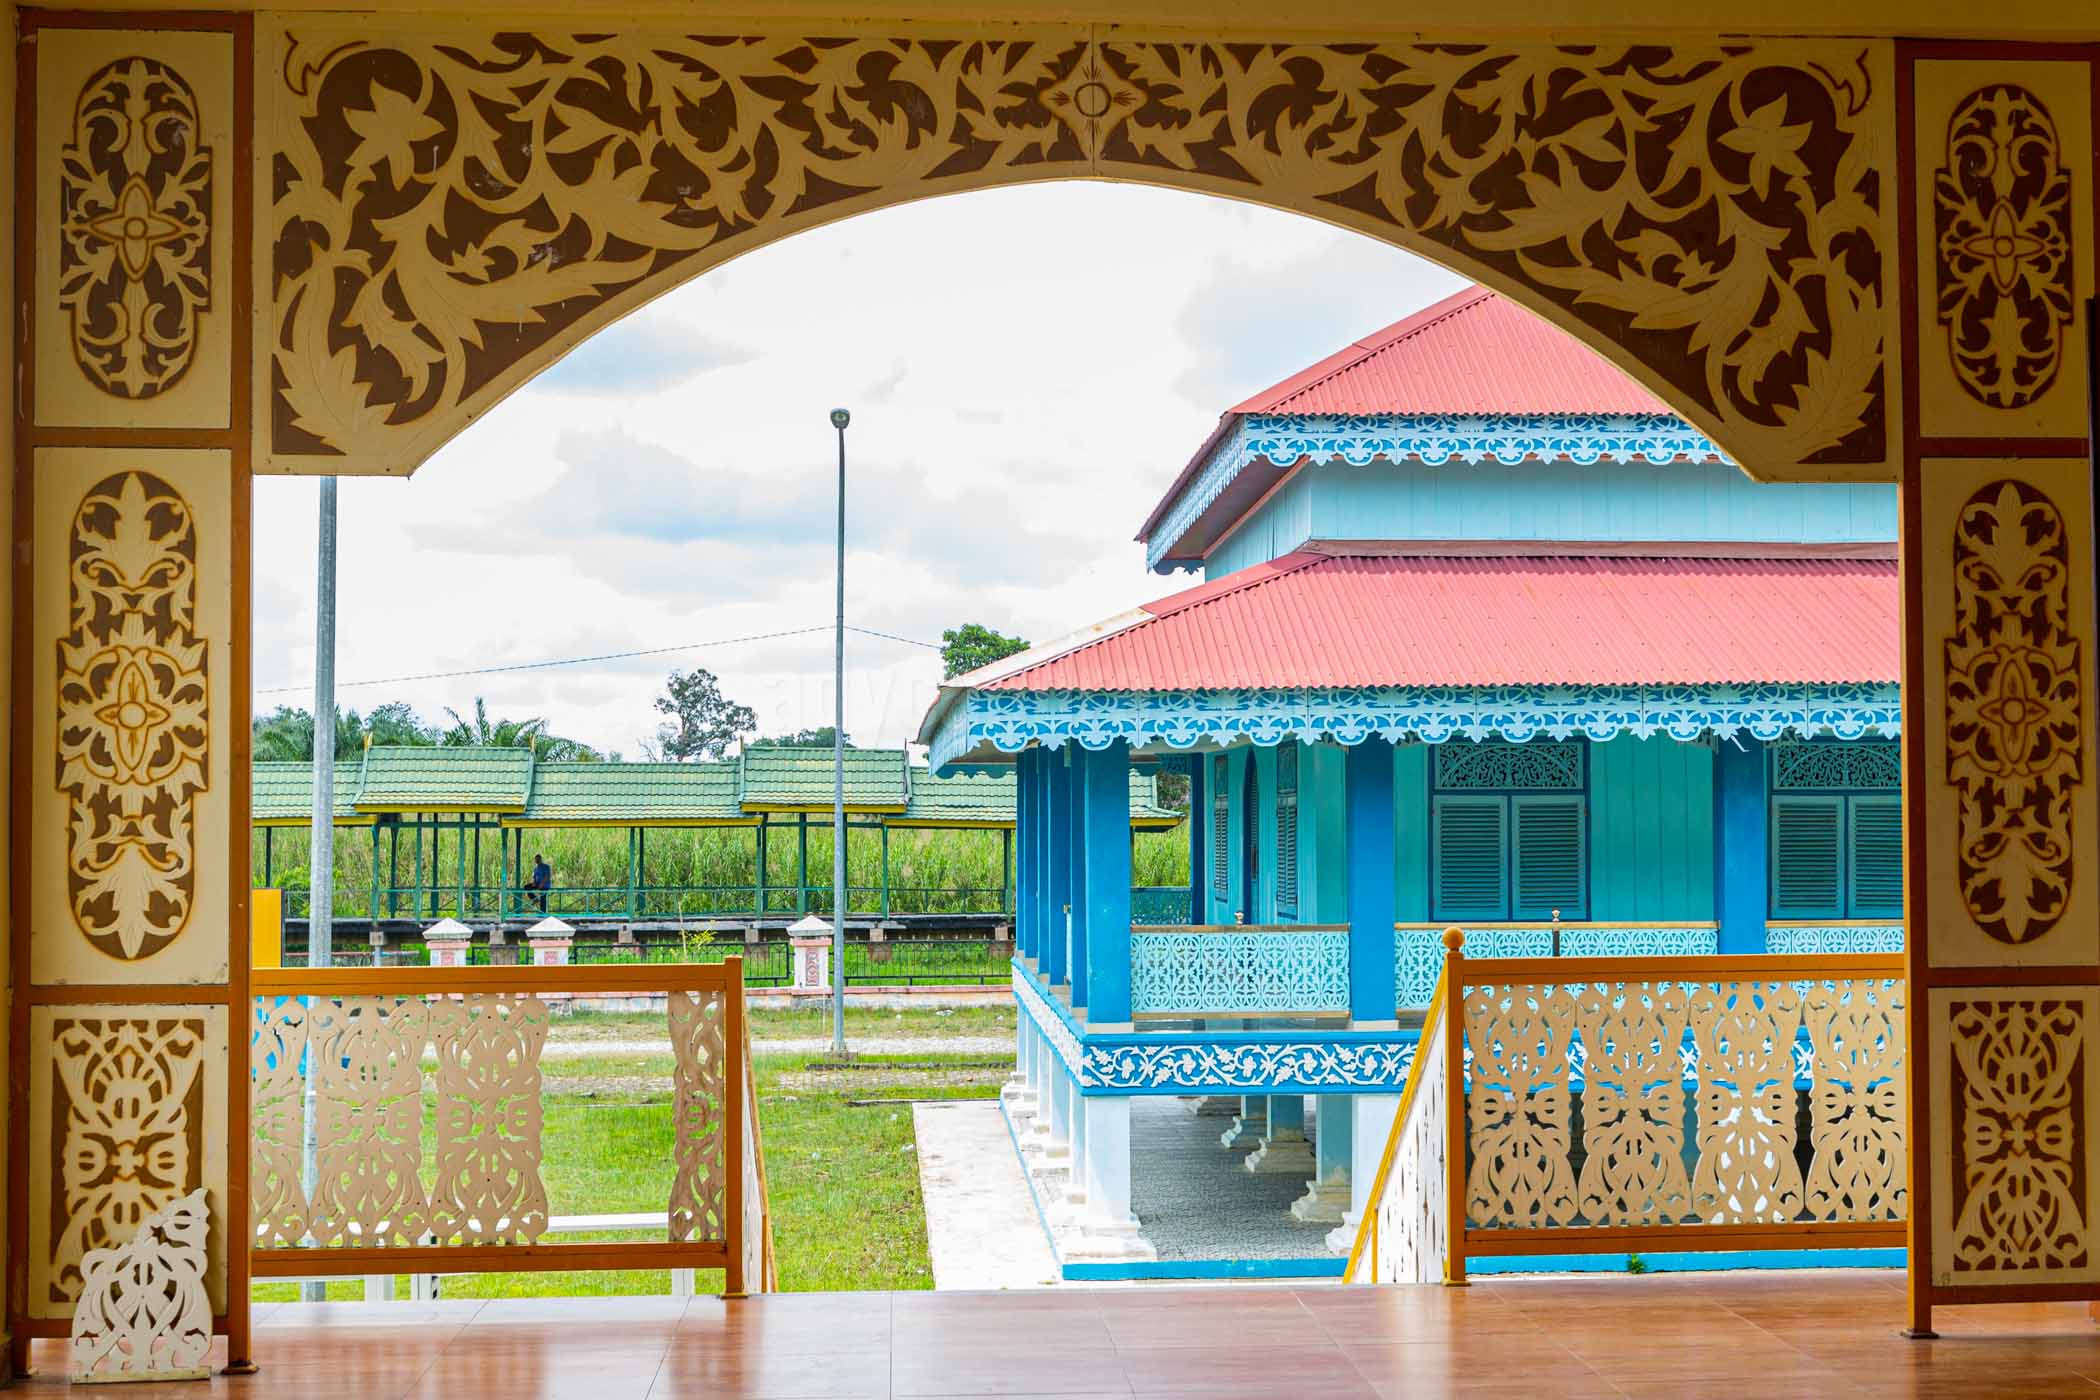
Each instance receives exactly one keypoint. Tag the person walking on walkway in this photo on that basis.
(542, 880)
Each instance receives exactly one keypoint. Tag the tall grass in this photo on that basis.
(702, 857)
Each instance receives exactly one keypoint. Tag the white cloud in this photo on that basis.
(1028, 369)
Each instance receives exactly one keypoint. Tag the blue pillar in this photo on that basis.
(1106, 810)
(1739, 844)
(1199, 829)
(1083, 855)
(1040, 837)
(1024, 862)
(1369, 782)
(1058, 864)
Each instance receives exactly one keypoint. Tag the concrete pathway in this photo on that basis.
(981, 1226)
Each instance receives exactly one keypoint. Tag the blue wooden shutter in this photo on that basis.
(1287, 830)
(1877, 857)
(1220, 830)
(1548, 858)
(1472, 858)
(1808, 857)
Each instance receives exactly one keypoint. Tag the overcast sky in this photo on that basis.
(1027, 369)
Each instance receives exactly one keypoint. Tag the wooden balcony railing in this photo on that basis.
(1623, 1105)
(401, 1125)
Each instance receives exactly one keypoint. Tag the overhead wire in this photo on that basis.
(602, 656)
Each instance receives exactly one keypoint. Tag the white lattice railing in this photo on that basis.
(1405, 1233)
(1627, 1104)
(1419, 948)
(1240, 970)
(401, 1122)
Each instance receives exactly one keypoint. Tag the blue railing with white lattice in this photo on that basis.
(1160, 904)
(1233, 971)
(1419, 948)
(1804, 938)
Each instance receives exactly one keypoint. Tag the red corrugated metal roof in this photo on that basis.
(1310, 620)
(1474, 352)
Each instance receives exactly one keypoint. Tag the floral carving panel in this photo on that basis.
(1716, 211)
(2017, 1086)
(127, 1125)
(134, 259)
(489, 1128)
(451, 212)
(2001, 208)
(133, 731)
(699, 1095)
(2014, 711)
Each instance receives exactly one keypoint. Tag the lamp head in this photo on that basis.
(840, 418)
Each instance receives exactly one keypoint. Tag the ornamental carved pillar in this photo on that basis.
(2002, 823)
(128, 888)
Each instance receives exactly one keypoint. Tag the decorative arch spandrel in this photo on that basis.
(446, 213)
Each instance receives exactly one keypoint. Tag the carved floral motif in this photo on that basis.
(132, 724)
(127, 1097)
(488, 1188)
(2014, 727)
(134, 257)
(446, 208)
(2019, 1136)
(2001, 213)
(698, 1098)
(144, 1313)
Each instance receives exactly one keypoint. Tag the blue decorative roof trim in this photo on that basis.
(1195, 1062)
(1011, 720)
(1286, 439)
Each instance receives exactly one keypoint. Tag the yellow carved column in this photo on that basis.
(2004, 888)
(129, 775)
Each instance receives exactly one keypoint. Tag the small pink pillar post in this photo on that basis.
(448, 941)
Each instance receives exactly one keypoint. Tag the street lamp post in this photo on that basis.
(839, 419)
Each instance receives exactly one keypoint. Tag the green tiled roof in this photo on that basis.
(633, 793)
(446, 779)
(284, 792)
(507, 782)
(781, 776)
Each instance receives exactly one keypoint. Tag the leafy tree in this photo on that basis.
(703, 722)
(973, 644)
(485, 733)
(802, 738)
(286, 734)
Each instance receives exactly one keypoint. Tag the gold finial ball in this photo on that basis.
(1454, 938)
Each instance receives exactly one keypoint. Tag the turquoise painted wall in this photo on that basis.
(1411, 833)
(1323, 812)
(1651, 830)
(1261, 903)
(1709, 502)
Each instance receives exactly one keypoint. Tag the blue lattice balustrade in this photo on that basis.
(1229, 972)
(1794, 938)
(1160, 904)
(1419, 951)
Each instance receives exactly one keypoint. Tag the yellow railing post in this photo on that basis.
(733, 1131)
(1454, 1107)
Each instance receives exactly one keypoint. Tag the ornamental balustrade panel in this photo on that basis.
(1808, 939)
(1419, 949)
(408, 1112)
(1752, 1102)
(1236, 971)
(1408, 1238)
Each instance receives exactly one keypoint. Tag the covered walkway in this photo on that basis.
(1681, 1336)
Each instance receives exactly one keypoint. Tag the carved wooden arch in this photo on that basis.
(447, 212)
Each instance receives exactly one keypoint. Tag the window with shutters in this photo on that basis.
(1220, 830)
(1509, 830)
(1287, 831)
(1836, 833)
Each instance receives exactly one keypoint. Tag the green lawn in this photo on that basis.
(843, 1180)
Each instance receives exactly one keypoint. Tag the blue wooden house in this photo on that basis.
(1485, 636)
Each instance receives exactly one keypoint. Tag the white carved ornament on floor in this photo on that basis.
(143, 1313)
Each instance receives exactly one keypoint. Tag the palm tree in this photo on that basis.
(483, 732)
